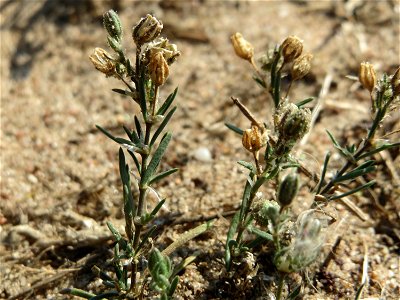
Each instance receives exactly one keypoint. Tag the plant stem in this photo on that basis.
(141, 205)
(280, 286)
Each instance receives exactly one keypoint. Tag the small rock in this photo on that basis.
(202, 154)
(32, 179)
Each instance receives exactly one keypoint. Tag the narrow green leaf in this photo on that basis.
(245, 198)
(295, 293)
(135, 160)
(157, 208)
(260, 82)
(162, 126)
(324, 168)
(354, 173)
(234, 128)
(247, 165)
(123, 168)
(138, 128)
(120, 91)
(132, 135)
(155, 161)
(105, 132)
(167, 103)
(334, 141)
(260, 233)
(184, 263)
(378, 149)
(304, 102)
(173, 285)
(264, 178)
(187, 236)
(231, 232)
(162, 175)
(77, 292)
(364, 186)
(105, 295)
(114, 231)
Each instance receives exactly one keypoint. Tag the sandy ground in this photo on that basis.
(59, 176)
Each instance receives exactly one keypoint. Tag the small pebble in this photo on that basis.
(32, 179)
(202, 154)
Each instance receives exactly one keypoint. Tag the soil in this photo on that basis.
(59, 175)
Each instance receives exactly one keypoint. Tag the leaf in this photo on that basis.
(132, 137)
(155, 161)
(304, 102)
(364, 186)
(187, 236)
(234, 128)
(162, 126)
(184, 263)
(295, 293)
(167, 103)
(354, 173)
(129, 204)
(121, 141)
(114, 232)
(138, 128)
(247, 165)
(378, 149)
(162, 175)
(105, 295)
(260, 82)
(77, 292)
(324, 168)
(260, 233)
(135, 160)
(173, 285)
(231, 232)
(345, 152)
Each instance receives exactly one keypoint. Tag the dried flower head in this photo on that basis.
(265, 211)
(146, 30)
(158, 68)
(242, 48)
(301, 66)
(103, 61)
(367, 76)
(254, 139)
(168, 50)
(291, 47)
(395, 82)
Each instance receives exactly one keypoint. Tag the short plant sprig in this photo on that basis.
(296, 240)
(146, 145)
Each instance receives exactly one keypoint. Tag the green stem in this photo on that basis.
(280, 286)
(141, 205)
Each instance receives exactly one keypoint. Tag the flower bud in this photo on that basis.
(395, 82)
(242, 48)
(367, 76)
(254, 139)
(113, 25)
(301, 66)
(158, 68)
(288, 189)
(103, 61)
(292, 122)
(146, 30)
(114, 44)
(291, 47)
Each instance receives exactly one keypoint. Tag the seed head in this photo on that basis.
(168, 50)
(146, 30)
(113, 25)
(395, 82)
(242, 48)
(292, 122)
(103, 61)
(367, 76)
(291, 47)
(288, 189)
(254, 139)
(301, 66)
(158, 68)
